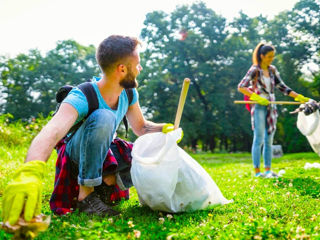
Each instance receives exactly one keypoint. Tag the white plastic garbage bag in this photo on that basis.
(167, 178)
(311, 165)
(309, 126)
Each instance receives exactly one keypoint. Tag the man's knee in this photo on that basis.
(103, 121)
(102, 116)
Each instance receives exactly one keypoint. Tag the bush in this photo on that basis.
(18, 132)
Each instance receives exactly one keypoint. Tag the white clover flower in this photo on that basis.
(263, 209)
(250, 219)
(161, 220)
(130, 224)
(170, 237)
(137, 233)
(169, 216)
(300, 229)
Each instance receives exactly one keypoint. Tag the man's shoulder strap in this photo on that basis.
(93, 104)
(91, 95)
(129, 93)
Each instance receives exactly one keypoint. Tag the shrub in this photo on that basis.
(13, 133)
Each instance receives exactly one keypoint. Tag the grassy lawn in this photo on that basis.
(284, 208)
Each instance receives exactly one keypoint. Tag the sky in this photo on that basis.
(30, 24)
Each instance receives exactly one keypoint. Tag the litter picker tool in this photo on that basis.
(182, 100)
(272, 102)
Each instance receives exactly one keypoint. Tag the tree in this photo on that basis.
(30, 81)
(17, 76)
(305, 21)
(201, 57)
(293, 53)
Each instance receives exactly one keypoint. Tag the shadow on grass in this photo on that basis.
(153, 224)
(217, 159)
(305, 186)
(145, 212)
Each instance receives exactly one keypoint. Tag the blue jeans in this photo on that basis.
(261, 137)
(89, 146)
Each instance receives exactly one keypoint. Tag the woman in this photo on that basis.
(258, 84)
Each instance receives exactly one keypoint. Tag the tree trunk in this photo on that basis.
(212, 144)
(194, 145)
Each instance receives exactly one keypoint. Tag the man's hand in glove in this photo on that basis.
(168, 127)
(23, 194)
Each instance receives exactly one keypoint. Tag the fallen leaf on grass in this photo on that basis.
(27, 230)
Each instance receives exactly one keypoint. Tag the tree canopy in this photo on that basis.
(195, 42)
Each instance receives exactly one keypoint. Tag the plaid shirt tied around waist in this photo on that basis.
(66, 189)
(254, 81)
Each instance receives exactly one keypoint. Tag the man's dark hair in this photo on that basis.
(113, 49)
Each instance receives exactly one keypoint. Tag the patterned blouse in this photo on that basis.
(254, 81)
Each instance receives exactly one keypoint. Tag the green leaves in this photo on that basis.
(192, 41)
(216, 55)
(31, 80)
(282, 208)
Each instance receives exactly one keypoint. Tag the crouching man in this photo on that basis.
(90, 151)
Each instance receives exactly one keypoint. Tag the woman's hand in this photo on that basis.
(260, 100)
(301, 98)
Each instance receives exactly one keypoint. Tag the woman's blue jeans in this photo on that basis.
(261, 138)
(90, 144)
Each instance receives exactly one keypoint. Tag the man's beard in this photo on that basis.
(129, 81)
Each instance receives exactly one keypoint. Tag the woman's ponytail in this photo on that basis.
(256, 54)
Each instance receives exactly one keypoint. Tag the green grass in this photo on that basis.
(285, 208)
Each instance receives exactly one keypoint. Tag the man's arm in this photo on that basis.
(23, 193)
(42, 145)
(139, 124)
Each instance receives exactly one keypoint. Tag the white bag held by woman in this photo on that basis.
(167, 178)
(309, 126)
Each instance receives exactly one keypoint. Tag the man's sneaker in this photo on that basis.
(92, 204)
(260, 175)
(270, 174)
(104, 191)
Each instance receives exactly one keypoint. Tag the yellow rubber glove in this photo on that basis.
(260, 100)
(168, 127)
(24, 192)
(301, 98)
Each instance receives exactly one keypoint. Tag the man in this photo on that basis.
(118, 58)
